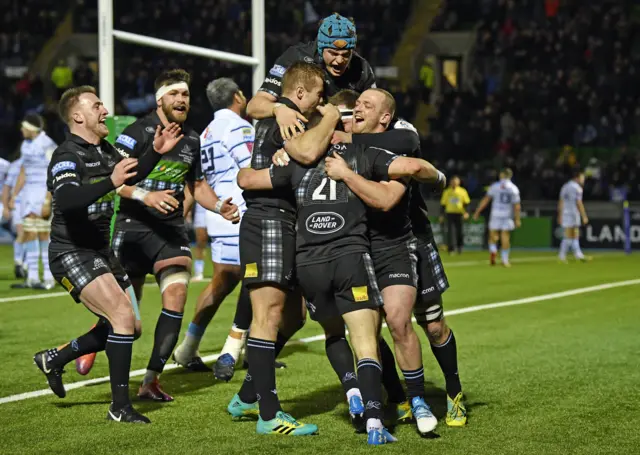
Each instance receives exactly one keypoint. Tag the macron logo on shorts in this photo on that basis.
(428, 290)
(62, 166)
(399, 275)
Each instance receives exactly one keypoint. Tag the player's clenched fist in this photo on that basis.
(123, 171)
(336, 167)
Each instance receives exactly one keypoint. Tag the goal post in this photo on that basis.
(106, 35)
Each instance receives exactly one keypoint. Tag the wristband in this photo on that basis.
(218, 206)
(139, 194)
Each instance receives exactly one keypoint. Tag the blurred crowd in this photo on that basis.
(554, 85)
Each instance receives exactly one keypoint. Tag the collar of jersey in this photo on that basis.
(80, 141)
(287, 102)
(226, 113)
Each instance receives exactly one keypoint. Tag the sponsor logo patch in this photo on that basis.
(66, 284)
(324, 223)
(64, 176)
(277, 70)
(251, 270)
(360, 293)
(273, 81)
(97, 163)
(126, 140)
(62, 166)
(122, 152)
(98, 263)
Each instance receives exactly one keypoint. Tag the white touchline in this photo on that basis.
(471, 309)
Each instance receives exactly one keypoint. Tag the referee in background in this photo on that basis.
(454, 202)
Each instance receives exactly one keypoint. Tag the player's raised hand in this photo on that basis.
(123, 171)
(518, 223)
(290, 122)
(228, 210)
(162, 201)
(336, 167)
(166, 139)
(280, 158)
(341, 137)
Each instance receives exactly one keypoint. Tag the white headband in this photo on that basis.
(29, 126)
(162, 91)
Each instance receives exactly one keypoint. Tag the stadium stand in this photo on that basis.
(552, 87)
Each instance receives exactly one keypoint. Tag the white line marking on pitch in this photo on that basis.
(447, 265)
(471, 309)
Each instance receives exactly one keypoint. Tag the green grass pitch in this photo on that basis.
(555, 376)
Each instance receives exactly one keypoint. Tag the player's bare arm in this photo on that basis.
(252, 179)
(583, 212)
(381, 196)
(313, 143)
(416, 168)
(188, 204)
(6, 198)
(516, 214)
(264, 105)
(483, 205)
(207, 198)
(560, 208)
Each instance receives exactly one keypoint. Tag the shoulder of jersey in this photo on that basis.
(404, 125)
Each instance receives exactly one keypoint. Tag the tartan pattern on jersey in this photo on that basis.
(271, 261)
(412, 247)
(100, 207)
(116, 242)
(437, 269)
(376, 295)
(301, 191)
(160, 185)
(75, 270)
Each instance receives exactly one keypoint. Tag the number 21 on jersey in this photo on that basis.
(318, 195)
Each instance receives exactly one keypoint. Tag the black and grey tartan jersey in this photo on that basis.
(77, 162)
(332, 220)
(277, 203)
(173, 171)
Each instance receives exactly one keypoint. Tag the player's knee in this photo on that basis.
(121, 317)
(437, 332)
(173, 281)
(399, 325)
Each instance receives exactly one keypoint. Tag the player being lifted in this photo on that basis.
(36, 151)
(333, 242)
(505, 215)
(571, 213)
(226, 146)
(402, 138)
(150, 235)
(84, 175)
(333, 52)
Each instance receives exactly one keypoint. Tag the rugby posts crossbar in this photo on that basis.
(106, 34)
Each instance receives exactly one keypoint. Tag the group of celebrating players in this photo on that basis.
(318, 210)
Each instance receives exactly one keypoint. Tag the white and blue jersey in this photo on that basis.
(504, 195)
(226, 146)
(570, 194)
(36, 154)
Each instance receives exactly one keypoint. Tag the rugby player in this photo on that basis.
(36, 151)
(84, 175)
(200, 230)
(150, 234)
(267, 253)
(226, 146)
(402, 138)
(333, 52)
(571, 212)
(333, 242)
(504, 196)
(11, 213)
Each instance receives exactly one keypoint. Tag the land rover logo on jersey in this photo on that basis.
(324, 223)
